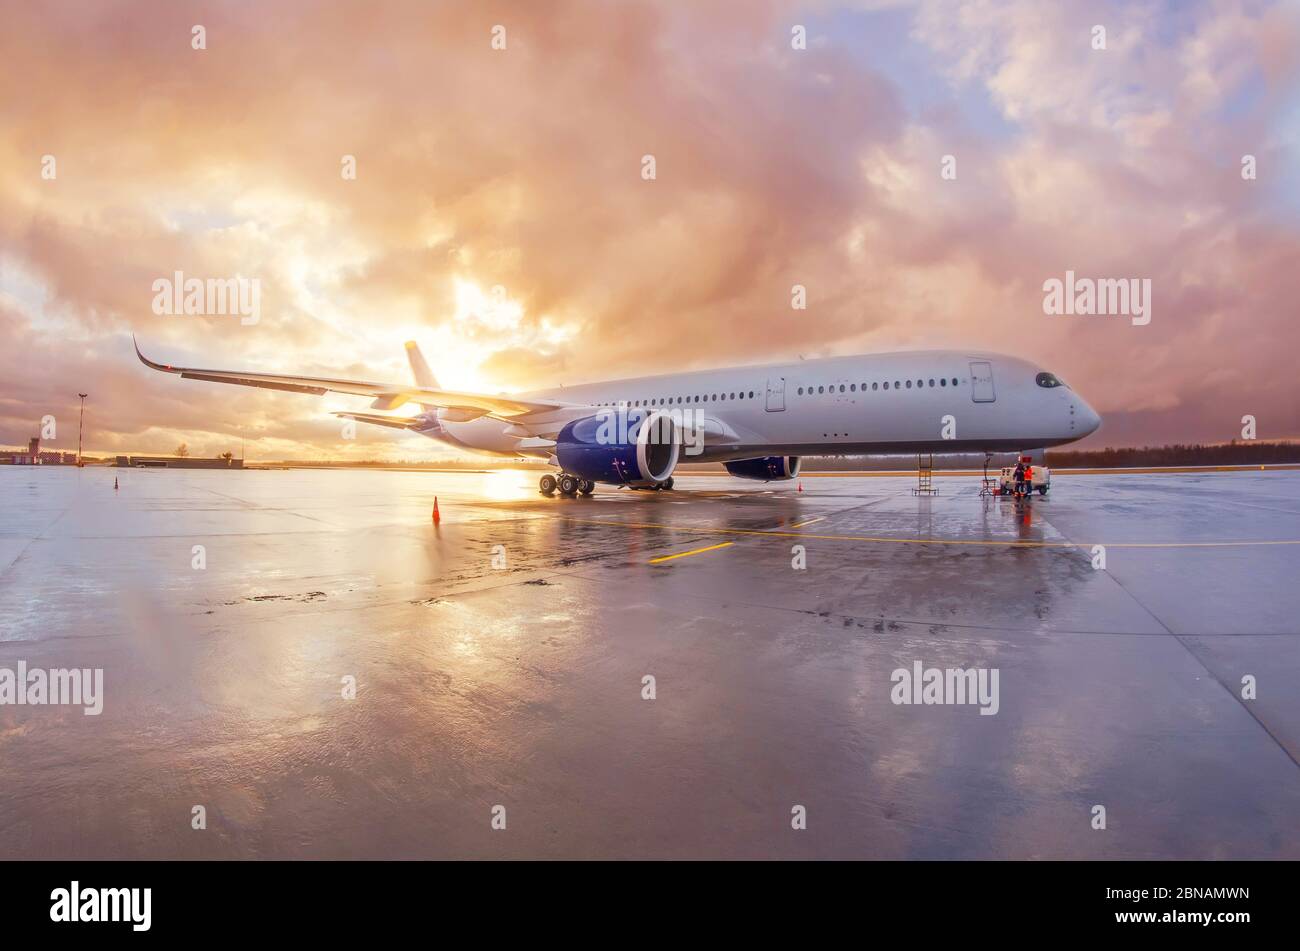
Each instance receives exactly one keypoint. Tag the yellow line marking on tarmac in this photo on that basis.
(819, 518)
(694, 551)
(1010, 542)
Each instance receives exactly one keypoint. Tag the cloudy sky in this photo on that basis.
(520, 169)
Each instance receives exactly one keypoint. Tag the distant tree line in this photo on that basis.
(1235, 453)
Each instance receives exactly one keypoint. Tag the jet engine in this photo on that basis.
(621, 447)
(766, 469)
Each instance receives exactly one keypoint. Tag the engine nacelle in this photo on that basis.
(622, 447)
(766, 469)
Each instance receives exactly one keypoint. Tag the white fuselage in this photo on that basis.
(921, 401)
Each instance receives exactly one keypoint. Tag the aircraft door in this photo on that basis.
(776, 394)
(981, 382)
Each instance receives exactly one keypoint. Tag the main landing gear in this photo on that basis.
(569, 485)
(572, 486)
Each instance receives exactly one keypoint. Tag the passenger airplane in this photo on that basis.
(757, 421)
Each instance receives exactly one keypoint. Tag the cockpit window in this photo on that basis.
(1048, 380)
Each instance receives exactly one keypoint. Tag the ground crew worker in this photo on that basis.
(1020, 474)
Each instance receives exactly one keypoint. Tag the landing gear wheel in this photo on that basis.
(548, 484)
(586, 486)
(668, 482)
(568, 484)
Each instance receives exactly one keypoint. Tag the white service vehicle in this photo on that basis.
(1036, 477)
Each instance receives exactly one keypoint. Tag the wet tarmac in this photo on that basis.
(513, 676)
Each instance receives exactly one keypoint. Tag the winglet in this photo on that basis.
(149, 363)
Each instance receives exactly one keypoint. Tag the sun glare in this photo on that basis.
(492, 310)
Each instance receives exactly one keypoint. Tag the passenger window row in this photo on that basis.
(801, 391)
(853, 387)
(678, 400)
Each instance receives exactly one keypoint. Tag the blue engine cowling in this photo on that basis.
(766, 469)
(622, 447)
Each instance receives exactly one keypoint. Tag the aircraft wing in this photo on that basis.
(385, 395)
(392, 422)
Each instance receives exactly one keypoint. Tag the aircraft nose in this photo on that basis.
(1088, 418)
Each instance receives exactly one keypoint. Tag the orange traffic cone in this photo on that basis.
(437, 517)
(801, 485)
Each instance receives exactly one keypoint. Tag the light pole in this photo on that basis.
(80, 423)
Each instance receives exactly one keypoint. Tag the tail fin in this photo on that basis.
(419, 369)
